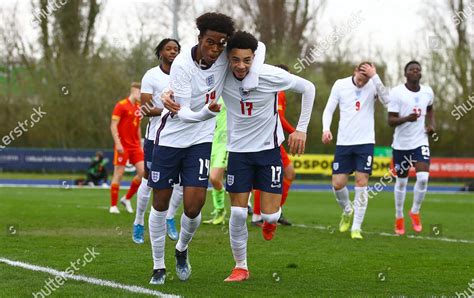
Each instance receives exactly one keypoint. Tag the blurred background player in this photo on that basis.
(288, 170)
(154, 81)
(218, 166)
(97, 172)
(356, 97)
(125, 128)
(184, 139)
(410, 105)
(254, 140)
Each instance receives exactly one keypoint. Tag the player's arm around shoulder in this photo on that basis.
(207, 112)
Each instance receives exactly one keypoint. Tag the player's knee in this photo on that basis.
(192, 212)
(338, 185)
(361, 180)
(160, 202)
(422, 180)
(238, 215)
(401, 184)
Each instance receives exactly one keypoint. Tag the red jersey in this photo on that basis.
(281, 112)
(128, 123)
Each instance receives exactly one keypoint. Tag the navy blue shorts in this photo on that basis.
(348, 159)
(190, 164)
(403, 160)
(261, 170)
(148, 149)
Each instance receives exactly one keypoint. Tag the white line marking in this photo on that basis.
(91, 280)
(331, 228)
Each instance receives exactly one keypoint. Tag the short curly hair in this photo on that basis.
(242, 40)
(162, 44)
(410, 63)
(216, 22)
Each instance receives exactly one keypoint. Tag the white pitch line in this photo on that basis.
(332, 229)
(91, 280)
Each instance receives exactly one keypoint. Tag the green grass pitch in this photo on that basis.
(56, 226)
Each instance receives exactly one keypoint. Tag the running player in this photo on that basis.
(125, 128)
(154, 81)
(356, 96)
(410, 105)
(183, 141)
(218, 166)
(288, 170)
(255, 136)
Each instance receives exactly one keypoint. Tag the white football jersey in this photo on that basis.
(356, 107)
(188, 80)
(253, 123)
(153, 82)
(410, 135)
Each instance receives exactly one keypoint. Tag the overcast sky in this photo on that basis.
(388, 25)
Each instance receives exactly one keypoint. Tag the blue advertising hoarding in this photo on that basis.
(50, 160)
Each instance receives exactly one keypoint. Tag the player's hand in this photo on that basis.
(297, 142)
(368, 70)
(119, 148)
(168, 101)
(214, 106)
(327, 137)
(412, 117)
(430, 130)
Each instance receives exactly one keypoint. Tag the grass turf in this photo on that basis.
(56, 226)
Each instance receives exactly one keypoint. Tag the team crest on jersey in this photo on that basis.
(244, 93)
(335, 166)
(230, 180)
(210, 80)
(155, 176)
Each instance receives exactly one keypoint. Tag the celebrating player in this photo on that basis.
(356, 96)
(183, 141)
(255, 136)
(288, 170)
(154, 81)
(410, 104)
(125, 128)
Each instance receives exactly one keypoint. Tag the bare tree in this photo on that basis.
(451, 74)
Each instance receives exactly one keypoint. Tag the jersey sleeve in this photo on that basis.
(147, 84)
(117, 112)
(331, 106)
(394, 103)
(180, 80)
